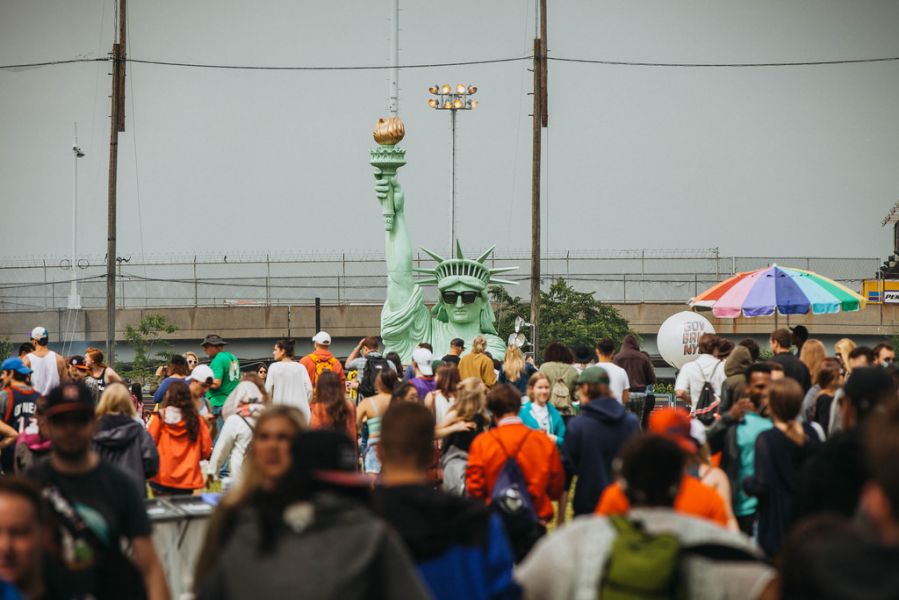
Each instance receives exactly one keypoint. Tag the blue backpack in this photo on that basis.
(511, 499)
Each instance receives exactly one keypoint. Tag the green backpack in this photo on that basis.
(641, 565)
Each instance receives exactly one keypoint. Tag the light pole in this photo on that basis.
(452, 99)
(74, 298)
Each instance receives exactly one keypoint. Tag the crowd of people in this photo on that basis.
(768, 473)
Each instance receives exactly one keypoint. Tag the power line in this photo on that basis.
(810, 63)
(326, 68)
(622, 63)
(50, 63)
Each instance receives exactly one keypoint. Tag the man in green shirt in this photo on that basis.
(226, 372)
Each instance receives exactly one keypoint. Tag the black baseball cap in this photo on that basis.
(78, 362)
(69, 397)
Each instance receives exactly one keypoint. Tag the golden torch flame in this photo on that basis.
(389, 131)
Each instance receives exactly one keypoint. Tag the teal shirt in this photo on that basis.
(748, 431)
(556, 424)
(226, 368)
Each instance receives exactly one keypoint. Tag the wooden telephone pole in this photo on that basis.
(540, 120)
(117, 124)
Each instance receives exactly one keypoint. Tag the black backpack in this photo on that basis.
(373, 366)
(707, 404)
(512, 501)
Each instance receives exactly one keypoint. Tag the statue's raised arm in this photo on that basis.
(463, 305)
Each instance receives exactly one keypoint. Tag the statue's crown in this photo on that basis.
(462, 267)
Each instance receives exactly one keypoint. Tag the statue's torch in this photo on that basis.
(387, 158)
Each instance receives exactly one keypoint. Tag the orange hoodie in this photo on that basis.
(538, 458)
(179, 458)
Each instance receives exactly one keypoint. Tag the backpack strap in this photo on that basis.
(11, 400)
(520, 444)
(712, 374)
(720, 552)
(242, 418)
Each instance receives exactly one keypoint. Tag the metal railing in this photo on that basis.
(612, 276)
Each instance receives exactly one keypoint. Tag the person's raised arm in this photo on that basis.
(398, 245)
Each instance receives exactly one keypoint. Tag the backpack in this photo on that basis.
(643, 565)
(511, 499)
(707, 406)
(453, 463)
(373, 367)
(322, 366)
(560, 397)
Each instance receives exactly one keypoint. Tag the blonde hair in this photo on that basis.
(812, 355)
(116, 400)
(478, 344)
(471, 399)
(250, 476)
(250, 483)
(842, 348)
(513, 365)
(533, 381)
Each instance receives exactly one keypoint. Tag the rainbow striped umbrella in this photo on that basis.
(790, 291)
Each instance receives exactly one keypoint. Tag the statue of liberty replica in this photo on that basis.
(463, 306)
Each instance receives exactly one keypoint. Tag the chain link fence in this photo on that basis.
(612, 276)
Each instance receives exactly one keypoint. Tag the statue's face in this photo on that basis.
(463, 303)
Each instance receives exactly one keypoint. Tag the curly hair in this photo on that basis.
(178, 396)
(329, 392)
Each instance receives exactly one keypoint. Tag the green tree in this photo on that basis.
(146, 338)
(7, 349)
(566, 315)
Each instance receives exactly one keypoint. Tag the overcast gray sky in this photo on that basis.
(758, 161)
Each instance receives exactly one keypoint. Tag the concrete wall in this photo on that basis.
(252, 329)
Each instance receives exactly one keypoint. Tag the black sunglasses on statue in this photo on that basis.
(467, 297)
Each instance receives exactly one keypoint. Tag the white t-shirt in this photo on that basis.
(541, 415)
(618, 381)
(695, 373)
(44, 372)
(289, 383)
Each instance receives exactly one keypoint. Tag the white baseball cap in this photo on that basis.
(39, 333)
(201, 373)
(322, 338)
(423, 358)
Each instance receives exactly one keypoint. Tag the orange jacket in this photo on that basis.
(179, 458)
(694, 498)
(537, 456)
(322, 355)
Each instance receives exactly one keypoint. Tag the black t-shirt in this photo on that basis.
(107, 502)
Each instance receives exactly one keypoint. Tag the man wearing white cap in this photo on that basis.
(49, 368)
(321, 359)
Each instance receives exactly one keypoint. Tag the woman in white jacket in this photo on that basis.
(237, 433)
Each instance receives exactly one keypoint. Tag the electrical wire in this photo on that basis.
(51, 63)
(810, 63)
(488, 61)
(623, 63)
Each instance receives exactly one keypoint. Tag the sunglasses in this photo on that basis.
(467, 297)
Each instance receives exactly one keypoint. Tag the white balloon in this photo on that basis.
(678, 337)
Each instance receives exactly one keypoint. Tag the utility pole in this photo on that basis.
(393, 104)
(540, 121)
(117, 124)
